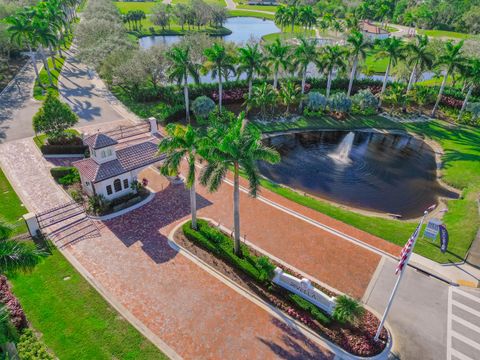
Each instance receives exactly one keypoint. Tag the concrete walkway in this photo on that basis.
(17, 106)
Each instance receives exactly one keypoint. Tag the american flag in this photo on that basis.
(407, 249)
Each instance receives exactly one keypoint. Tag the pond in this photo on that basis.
(243, 29)
(394, 174)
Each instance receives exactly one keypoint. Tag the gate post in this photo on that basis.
(32, 223)
(153, 125)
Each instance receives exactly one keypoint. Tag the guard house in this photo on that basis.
(111, 168)
(372, 31)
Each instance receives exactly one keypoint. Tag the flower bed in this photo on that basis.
(253, 272)
(15, 310)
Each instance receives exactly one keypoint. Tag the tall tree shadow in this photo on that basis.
(169, 206)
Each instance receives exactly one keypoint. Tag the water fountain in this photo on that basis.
(341, 154)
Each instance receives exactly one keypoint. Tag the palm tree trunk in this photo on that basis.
(440, 93)
(185, 93)
(193, 205)
(275, 79)
(236, 210)
(352, 75)
(329, 83)
(465, 102)
(220, 91)
(250, 84)
(384, 85)
(304, 78)
(412, 77)
(34, 61)
(52, 55)
(45, 64)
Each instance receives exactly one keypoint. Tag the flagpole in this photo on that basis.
(390, 301)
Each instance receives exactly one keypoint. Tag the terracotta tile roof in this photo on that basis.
(99, 141)
(128, 158)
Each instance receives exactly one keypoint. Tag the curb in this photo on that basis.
(291, 322)
(124, 211)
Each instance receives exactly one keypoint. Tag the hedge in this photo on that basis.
(63, 149)
(61, 171)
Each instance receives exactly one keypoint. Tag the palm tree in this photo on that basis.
(219, 61)
(251, 62)
(291, 13)
(289, 94)
(358, 50)
(419, 56)
(234, 146)
(332, 59)
(182, 142)
(262, 96)
(452, 60)
(277, 57)
(304, 54)
(181, 67)
(281, 16)
(307, 17)
(473, 76)
(43, 36)
(20, 29)
(16, 255)
(393, 49)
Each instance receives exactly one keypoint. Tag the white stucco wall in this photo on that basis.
(101, 187)
(87, 186)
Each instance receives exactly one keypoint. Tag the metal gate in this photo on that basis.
(123, 132)
(59, 214)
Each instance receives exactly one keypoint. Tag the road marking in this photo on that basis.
(466, 308)
(461, 334)
(466, 323)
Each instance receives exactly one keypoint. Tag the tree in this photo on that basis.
(262, 96)
(358, 51)
(233, 146)
(473, 81)
(182, 142)
(419, 57)
(288, 94)
(16, 256)
(393, 49)
(54, 117)
(219, 63)
(451, 60)
(281, 16)
(307, 17)
(291, 14)
(304, 54)
(250, 61)
(181, 67)
(332, 59)
(161, 15)
(277, 57)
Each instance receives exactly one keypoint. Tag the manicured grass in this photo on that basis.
(75, 321)
(244, 13)
(375, 65)
(11, 208)
(271, 8)
(38, 92)
(461, 170)
(443, 33)
(289, 35)
(125, 7)
(174, 29)
(41, 139)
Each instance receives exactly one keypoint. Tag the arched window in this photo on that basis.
(117, 185)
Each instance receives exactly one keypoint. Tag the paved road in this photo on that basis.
(418, 315)
(463, 328)
(17, 106)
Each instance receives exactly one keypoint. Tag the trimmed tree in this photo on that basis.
(54, 117)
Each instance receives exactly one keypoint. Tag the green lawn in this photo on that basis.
(271, 8)
(11, 208)
(443, 33)
(125, 7)
(298, 31)
(461, 170)
(244, 13)
(41, 139)
(39, 93)
(375, 65)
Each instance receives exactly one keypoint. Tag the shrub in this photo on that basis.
(65, 175)
(265, 267)
(31, 348)
(97, 204)
(316, 101)
(474, 109)
(54, 117)
(347, 309)
(202, 106)
(17, 315)
(316, 313)
(63, 149)
(340, 103)
(365, 100)
(76, 196)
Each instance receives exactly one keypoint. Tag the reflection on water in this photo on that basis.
(386, 173)
(243, 29)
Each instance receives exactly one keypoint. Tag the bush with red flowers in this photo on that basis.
(17, 315)
(451, 102)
